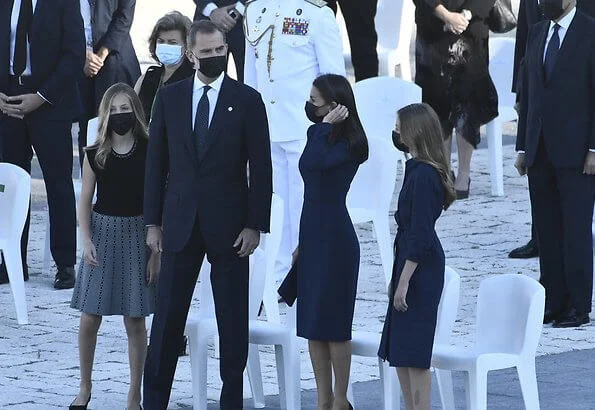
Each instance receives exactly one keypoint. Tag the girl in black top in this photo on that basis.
(167, 46)
(116, 275)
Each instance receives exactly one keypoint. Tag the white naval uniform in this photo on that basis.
(306, 42)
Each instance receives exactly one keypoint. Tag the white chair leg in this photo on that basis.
(390, 385)
(382, 229)
(198, 367)
(406, 69)
(255, 377)
(494, 133)
(292, 378)
(46, 245)
(528, 379)
(281, 376)
(14, 267)
(445, 388)
(476, 389)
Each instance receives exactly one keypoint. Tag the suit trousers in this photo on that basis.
(179, 272)
(50, 136)
(359, 19)
(288, 184)
(562, 201)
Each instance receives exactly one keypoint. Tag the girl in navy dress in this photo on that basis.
(418, 270)
(116, 275)
(328, 264)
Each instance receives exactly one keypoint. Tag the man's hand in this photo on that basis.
(7, 109)
(93, 64)
(18, 106)
(248, 241)
(589, 168)
(155, 238)
(456, 23)
(520, 164)
(222, 19)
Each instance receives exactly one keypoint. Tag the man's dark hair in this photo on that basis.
(202, 27)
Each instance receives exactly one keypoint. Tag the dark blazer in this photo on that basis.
(111, 21)
(57, 51)
(529, 14)
(561, 112)
(201, 4)
(212, 192)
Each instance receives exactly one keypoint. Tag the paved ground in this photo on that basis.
(39, 362)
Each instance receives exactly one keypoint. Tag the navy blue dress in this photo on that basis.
(328, 246)
(408, 337)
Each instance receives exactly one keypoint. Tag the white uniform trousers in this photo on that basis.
(288, 184)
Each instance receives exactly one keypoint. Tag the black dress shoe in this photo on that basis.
(572, 318)
(550, 316)
(80, 406)
(64, 278)
(530, 250)
(464, 194)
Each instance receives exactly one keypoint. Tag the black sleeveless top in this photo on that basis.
(152, 82)
(120, 184)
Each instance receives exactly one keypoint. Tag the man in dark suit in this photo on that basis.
(359, 20)
(228, 17)
(203, 133)
(40, 59)
(529, 14)
(556, 144)
(111, 57)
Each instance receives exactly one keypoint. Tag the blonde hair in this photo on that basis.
(103, 144)
(422, 132)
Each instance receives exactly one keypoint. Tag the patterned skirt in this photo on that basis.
(118, 285)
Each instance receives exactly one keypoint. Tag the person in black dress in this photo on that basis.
(167, 45)
(328, 248)
(451, 61)
(418, 270)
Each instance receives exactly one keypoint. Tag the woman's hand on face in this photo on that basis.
(336, 115)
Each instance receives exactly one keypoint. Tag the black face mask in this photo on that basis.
(552, 9)
(399, 143)
(212, 67)
(311, 113)
(121, 123)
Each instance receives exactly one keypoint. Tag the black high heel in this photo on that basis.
(464, 194)
(80, 406)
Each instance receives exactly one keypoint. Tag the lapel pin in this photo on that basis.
(229, 109)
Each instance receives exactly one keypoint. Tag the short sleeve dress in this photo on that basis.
(118, 285)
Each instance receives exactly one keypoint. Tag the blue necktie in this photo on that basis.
(19, 62)
(551, 53)
(201, 122)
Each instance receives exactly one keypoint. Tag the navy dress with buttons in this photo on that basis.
(328, 246)
(408, 337)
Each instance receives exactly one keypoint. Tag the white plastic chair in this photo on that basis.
(501, 70)
(371, 194)
(366, 344)
(203, 328)
(509, 323)
(15, 193)
(395, 20)
(378, 100)
(77, 182)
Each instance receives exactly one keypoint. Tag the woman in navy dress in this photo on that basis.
(329, 252)
(418, 270)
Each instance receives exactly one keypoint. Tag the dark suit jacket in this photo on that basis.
(529, 14)
(561, 112)
(213, 191)
(57, 51)
(201, 4)
(111, 21)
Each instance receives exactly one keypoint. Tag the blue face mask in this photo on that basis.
(169, 54)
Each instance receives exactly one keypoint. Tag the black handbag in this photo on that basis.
(288, 289)
(502, 19)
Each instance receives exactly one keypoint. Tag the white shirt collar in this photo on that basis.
(215, 85)
(565, 21)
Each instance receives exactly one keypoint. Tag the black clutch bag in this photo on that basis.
(502, 18)
(288, 289)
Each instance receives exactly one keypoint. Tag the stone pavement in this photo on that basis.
(39, 362)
